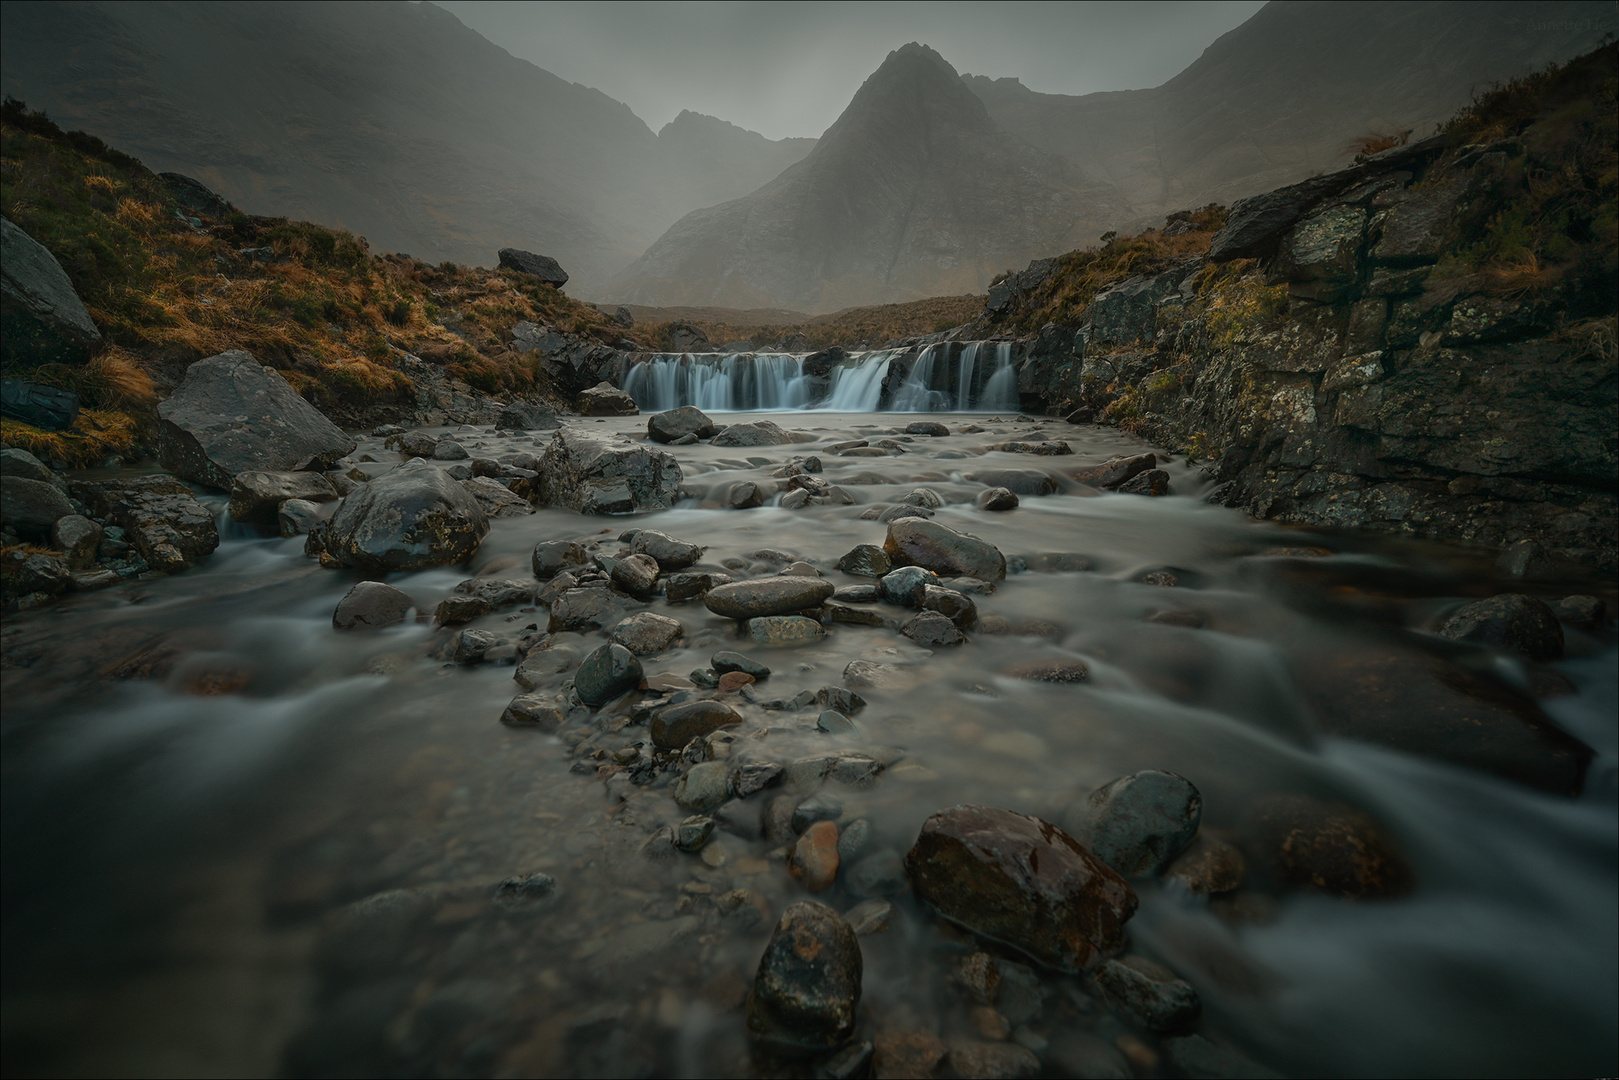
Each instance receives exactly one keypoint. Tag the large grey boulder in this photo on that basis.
(31, 507)
(231, 414)
(599, 473)
(43, 319)
(666, 427)
(543, 267)
(407, 519)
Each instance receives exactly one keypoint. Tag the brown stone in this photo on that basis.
(815, 856)
(1023, 882)
(919, 542)
(1115, 471)
(901, 1053)
(1210, 865)
(993, 1061)
(1328, 847)
(734, 680)
(675, 726)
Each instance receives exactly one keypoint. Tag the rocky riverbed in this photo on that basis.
(974, 746)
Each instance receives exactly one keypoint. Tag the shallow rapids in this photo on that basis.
(200, 772)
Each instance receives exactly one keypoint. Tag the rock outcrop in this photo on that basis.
(606, 474)
(232, 414)
(44, 320)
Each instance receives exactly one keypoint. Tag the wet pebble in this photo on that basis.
(1150, 482)
(817, 808)
(815, 856)
(371, 605)
(772, 596)
(907, 585)
(647, 633)
(704, 787)
(1582, 612)
(870, 916)
(840, 699)
(454, 610)
(636, 575)
(752, 777)
(865, 560)
(996, 500)
(835, 723)
(1139, 823)
(849, 615)
(728, 661)
(807, 989)
(606, 673)
(676, 725)
(932, 630)
(952, 604)
(531, 710)
(734, 680)
(678, 588)
(857, 594)
(692, 833)
(993, 1061)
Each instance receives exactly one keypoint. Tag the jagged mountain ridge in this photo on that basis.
(912, 192)
(1283, 96)
(390, 119)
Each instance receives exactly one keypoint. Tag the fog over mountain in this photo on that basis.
(398, 122)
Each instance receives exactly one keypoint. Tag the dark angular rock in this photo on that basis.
(1151, 482)
(636, 575)
(606, 474)
(49, 408)
(746, 495)
(932, 630)
(758, 433)
(605, 399)
(551, 557)
(647, 633)
(955, 606)
(670, 553)
(297, 517)
(767, 596)
(727, 660)
(231, 414)
(907, 586)
(522, 416)
(44, 320)
(585, 609)
(78, 539)
(1017, 481)
(162, 518)
(944, 551)
(24, 573)
(682, 587)
(543, 267)
(606, 673)
(666, 427)
(472, 645)
(1139, 823)
(454, 610)
(841, 698)
(865, 560)
(1509, 621)
(371, 605)
(676, 725)
(408, 519)
(996, 499)
(256, 497)
(807, 989)
(1023, 882)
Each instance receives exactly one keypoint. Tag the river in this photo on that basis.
(176, 845)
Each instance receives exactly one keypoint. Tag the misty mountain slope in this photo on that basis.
(390, 119)
(912, 192)
(1282, 96)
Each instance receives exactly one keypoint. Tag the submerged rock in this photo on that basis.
(371, 605)
(231, 414)
(1327, 847)
(1115, 471)
(1139, 823)
(1023, 882)
(1146, 993)
(408, 519)
(1509, 621)
(807, 989)
(676, 725)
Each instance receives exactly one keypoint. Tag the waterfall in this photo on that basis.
(726, 382)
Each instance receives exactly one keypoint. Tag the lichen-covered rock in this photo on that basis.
(231, 414)
(606, 474)
(807, 990)
(162, 517)
(407, 519)
(1023, 882)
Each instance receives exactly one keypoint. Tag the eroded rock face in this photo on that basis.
(407, 519)
(807, 990)
(163, 519)
(918, 542)
(1023, 882)
(606, 474)
(231, 414)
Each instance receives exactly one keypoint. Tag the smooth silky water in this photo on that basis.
(172, 852)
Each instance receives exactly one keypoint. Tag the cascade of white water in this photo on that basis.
(966, 368)
(857, 386)
(916, 393)
(1000, 389)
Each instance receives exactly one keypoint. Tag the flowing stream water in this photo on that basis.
(200, 773)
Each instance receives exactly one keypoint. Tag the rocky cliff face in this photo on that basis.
(913, 192)
(1423, 344)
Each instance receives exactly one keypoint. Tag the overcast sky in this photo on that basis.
(788, 69)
